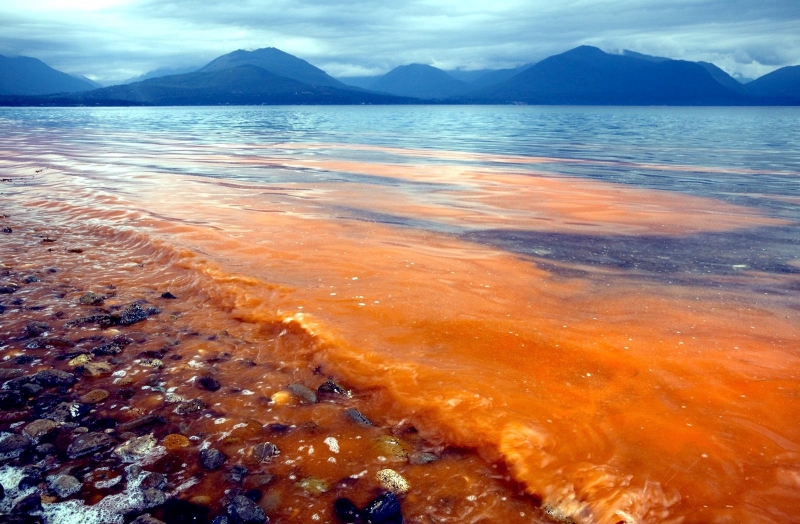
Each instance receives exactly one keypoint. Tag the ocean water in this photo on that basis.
(604, 301)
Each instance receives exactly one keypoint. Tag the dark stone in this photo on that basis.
(212, 459)
(2, 492)
(7, 290)
(331, 389)
(9, 373)
(122, 340)
(177, 511)
(91, 299)
(107, 349)
(259, 481)
(29, 504)
(265, 451)
(54, 377)
(222, 519)
(57, 342)
(132, 314)
(238, 473)
(2, 309)
(254, 494)
(154, 480)
(30, 279)
(346, 511)
(422, 458)
(146, 519)
(384, 509)
(34, 329)
(89, 443)
(10, 400)
(23, 360)
(27, 482)
(358, 417)
(168, 296)
(276, 427)
(139, 422)
(190, 406)
(8, 230)
(209, 383)
(242, 510)
(152, 497)
(65, 486)
(304, 394)
(46, 449)
(13, 446)
(152, 310)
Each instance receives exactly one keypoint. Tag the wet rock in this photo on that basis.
(46, 449)
(132, 314)
(259, 481)
(168, 296)
(96, 369)
(23, 360)
(8, 230)
(35, 329)
(221, 519)
(95, 396)
(39, 428)
(139, 422)
(57, 342)
(2, 309)
(190, 406)
(54, 378)
(303, 394)
(265, 451)
(238, 473)
(313, 486)
(212, 459)
(151, 363)
(13, 446)
(2, 492)
(122, 340)
(242, 510)
(65, 485)
(9, 373)
(356, 416)
(384, 509)
(146, 519)
(422, 458)
(346, 511)
(7, 290)
(136, 449)
(10, 400)
(91, 299)
(152, 497)
(391, 447)
(89, 443)
(153, 480)
(107, 349)
(30, 279)
(331, 389)
(177, 511)
(29, 504)
(80, 360)
(174, 442)
(393, 481)
(208, 383)
(66, 411)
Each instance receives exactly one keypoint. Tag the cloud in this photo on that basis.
(120, 38)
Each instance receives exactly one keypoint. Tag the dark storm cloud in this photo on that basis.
(117, 38)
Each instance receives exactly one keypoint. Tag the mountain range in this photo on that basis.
(584, 75)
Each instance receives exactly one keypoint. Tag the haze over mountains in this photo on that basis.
(584, 75)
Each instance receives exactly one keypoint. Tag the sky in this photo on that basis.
(111, 40)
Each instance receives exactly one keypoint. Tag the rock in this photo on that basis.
(39, 428)
(29, 504)
(238, 473)
(346, 511)
(139, 422)
(10, 399)
(54, 378)
(8, 230)
(152, 497)
(146, 519)
(57, 342)
(91, 299)
(356, 416)
(393, 481)
(67, 411)
(13, 446)
(208, 383)
(65, 485)
(190, 406)
(168, 296)
(259, 481)
(303, 394)
(80, 360)
(265, 451)
(179, 511)
(242, 510)
(30, 390)
(136, 449)
(174, 442)
(35, 329)
(391, 447)
(46, 449)
(107, 349)
(313, 486)
(132, 314)
(422, 458)
(89, 443)
(212, 459)
(95, 396)
(9, 373)
(7, 290)
(2, 492)
(222, 519)
(153, 480)
(96, 369)
(332, 389)
(384, 509)
(151, 363)
(30, 279)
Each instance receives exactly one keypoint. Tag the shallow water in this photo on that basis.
(605, 300)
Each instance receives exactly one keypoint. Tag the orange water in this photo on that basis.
(611, 398)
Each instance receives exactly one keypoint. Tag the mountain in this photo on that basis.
(242, 85)
(722, 77)
(781, 85)
(419, 81)
(23, 75)
(277, 62)
(650, 58)
(161, 71)
(364, 82)
(587, 75)
(497, 76)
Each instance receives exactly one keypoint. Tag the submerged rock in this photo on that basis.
(13, 446)
(265, 451)
(91, 299)
(208, 383)
(132, 314)
(89, 443)
(303, 394)
(384, 510)
(212, 459)
(168, 295)
(35, 329)
(346, 511)
(54, 378)
(39, 428)
(65, 485)
(356, 416)
(393, 481)
(331, 389)
(242, 510)
(95, 396)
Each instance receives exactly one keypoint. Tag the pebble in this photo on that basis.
(80, 360)
(89, 443)
(13, 446)
(212, 459)
(152, 497)
(153, 480)
(391, 447)
(138, 422)
(168, 296)
(332, 389)
(265, 451)
(303, 394)
(358, 417)
(54, 378)
(422, 458)
(146, 519)
(96, 369)
(384, 510)
(346, 511)
(91, 299)
(238, 473)
(208, 383)
(132, 314)
(242, 510)
(136, 449)
(393, 481)
(95, 396)
(175, 441)
(9, 373)
(30, 279)
(35, 329)
(313, 486)
(39, 428)
(65, 485)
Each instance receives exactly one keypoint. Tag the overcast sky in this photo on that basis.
(115, 39)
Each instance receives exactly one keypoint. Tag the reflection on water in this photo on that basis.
(605, 299)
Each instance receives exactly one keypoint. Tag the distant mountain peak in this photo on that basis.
(419, 81)
(24, 75)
